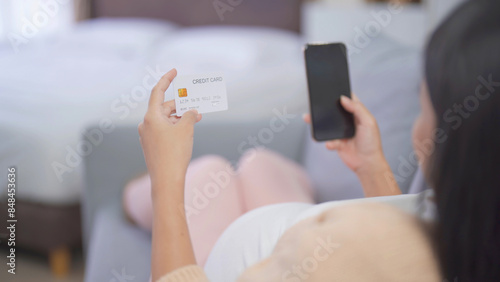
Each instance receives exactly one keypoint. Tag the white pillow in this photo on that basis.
(109, 39)
(231, 48)
(134, 31)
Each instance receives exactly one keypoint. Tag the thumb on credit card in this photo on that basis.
(190, 117)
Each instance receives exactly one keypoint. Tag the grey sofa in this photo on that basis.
(114, 248)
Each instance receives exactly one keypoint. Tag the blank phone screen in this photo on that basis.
(328, 79)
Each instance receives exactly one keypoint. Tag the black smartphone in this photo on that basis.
(328, 79)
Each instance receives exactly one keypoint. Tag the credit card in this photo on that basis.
(204, 92)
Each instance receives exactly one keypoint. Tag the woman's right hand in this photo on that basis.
(364, 150)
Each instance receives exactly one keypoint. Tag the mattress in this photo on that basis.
(102, 72)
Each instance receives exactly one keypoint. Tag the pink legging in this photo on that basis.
(216, 194)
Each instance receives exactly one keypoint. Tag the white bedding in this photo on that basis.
(52, 90)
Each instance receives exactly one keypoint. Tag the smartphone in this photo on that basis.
(328, 79)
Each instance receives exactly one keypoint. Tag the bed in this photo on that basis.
(56, 88)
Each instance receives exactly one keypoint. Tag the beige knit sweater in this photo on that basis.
(355, 242)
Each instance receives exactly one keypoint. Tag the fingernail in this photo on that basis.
(344, 98)
(195, 111)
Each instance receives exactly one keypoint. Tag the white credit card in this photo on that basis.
(204, 92)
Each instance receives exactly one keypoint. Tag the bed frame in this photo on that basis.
(282, 14)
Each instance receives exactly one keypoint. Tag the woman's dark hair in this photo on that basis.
(463, 78)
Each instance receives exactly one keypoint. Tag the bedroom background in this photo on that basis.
(72, 89)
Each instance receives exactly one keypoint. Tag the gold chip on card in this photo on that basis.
(182, 92)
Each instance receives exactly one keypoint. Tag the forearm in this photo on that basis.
(167, 143)
(377, 179)
(171, 245)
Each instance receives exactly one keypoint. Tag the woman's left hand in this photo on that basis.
(167, 140)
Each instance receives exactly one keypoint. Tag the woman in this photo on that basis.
(367, 241)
